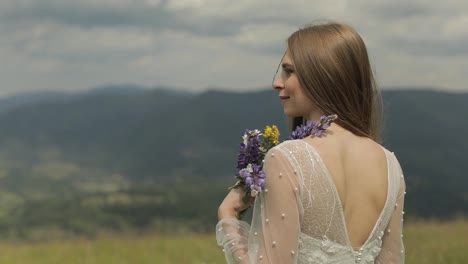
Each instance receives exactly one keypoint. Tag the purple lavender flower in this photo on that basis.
(254, 190)
(249, 181)
(256, 181)
(320, 133)
(312, 128)
(249, 150)
(244, 173)
(256, 168)
(242, 157)
(300, 132)
(261, 174)
(261, 183)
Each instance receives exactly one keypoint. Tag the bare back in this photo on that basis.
(358, 168)
(327, 200)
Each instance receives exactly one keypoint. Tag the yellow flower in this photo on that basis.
(268, 131)
(272, 134)
(275, 135)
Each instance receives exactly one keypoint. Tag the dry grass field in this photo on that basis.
(425, 242)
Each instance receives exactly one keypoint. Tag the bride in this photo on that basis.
(337, 198)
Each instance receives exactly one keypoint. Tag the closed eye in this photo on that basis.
(288, 71)
(287, 68)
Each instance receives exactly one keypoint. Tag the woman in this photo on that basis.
(331, 199)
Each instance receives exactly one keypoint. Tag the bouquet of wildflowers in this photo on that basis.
(254, 147)
(252, 151)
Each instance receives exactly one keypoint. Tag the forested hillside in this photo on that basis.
(130, 159)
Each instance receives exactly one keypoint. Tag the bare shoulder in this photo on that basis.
(342, 145)
(366, 150)
(353, 161)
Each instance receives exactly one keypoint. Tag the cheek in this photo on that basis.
(303, 105)
(299, 104)
(295, 106)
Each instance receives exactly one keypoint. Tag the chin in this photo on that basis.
(290, 113)
(286, 113)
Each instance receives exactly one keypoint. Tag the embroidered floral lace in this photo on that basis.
(299, 218)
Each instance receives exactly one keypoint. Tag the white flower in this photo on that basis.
(245, 139)
(241, 172)
(249, 168)
(254, 193)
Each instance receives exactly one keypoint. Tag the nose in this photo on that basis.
(277, 84)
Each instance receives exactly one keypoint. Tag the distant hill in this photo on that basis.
(24, 99)
(125, 157)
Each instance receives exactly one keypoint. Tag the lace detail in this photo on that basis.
(313, 250)
(368, 252)
(299, 218)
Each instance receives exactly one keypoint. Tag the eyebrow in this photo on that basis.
(285, 64)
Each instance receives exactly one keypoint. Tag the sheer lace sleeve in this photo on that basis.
(273, 234)
(392, 241)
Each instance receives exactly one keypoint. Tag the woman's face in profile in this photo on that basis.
(295, 102)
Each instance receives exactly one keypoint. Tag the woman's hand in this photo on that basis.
(233, 204)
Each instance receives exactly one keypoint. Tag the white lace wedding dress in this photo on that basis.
(299, 218)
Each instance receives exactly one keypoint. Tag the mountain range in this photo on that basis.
(129, 158)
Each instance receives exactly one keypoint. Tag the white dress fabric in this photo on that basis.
(299, 217)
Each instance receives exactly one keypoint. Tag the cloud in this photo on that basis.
(143, 14)
(417, 27)
(195, 44)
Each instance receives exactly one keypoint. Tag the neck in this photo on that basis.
(315, 116)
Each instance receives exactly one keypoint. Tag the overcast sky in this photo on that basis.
(73, 45)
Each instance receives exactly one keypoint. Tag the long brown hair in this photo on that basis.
(333, 68)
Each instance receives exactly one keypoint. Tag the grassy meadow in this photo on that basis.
(425, 242)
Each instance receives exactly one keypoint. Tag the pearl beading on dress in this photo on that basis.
(366, 255)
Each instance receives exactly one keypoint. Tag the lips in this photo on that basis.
(284, 97)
